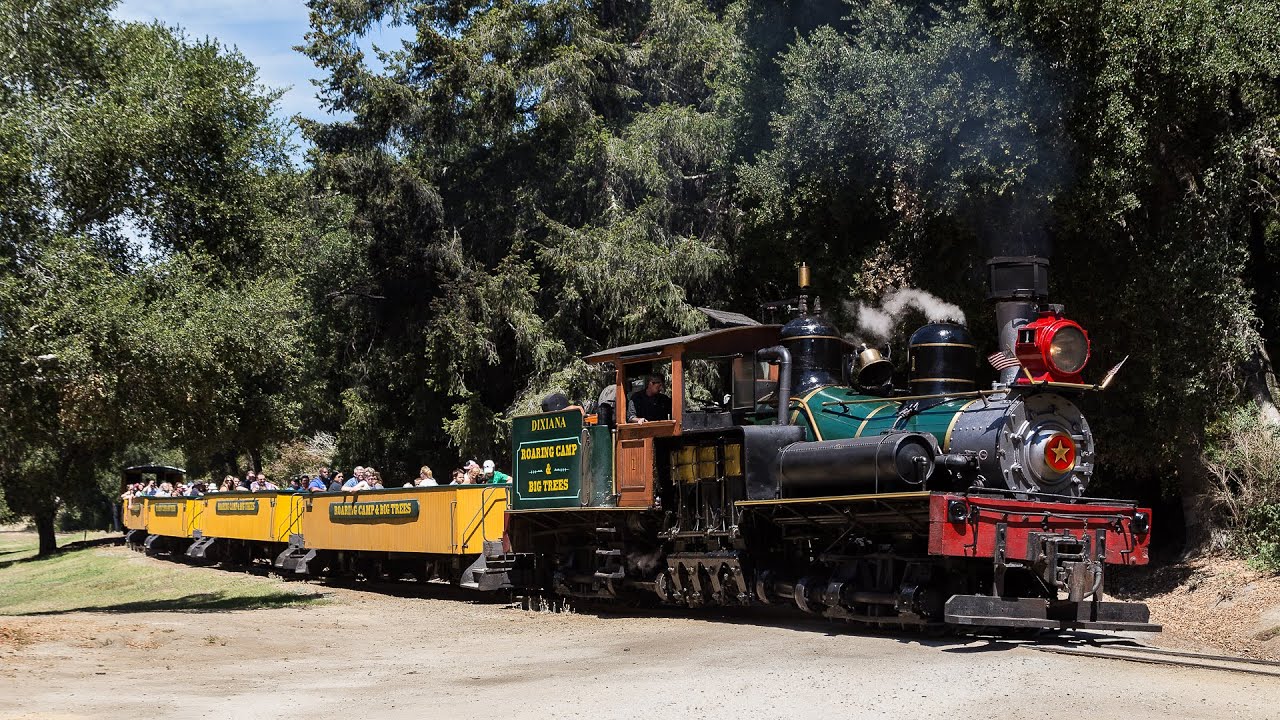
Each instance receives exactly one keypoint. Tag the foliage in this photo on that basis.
(146, 285)
(528, 181)
(1244, 459)
(301, 455)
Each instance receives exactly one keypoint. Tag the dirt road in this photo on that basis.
(375, 655)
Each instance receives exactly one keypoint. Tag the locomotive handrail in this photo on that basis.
(1015, 495)
(905, 398)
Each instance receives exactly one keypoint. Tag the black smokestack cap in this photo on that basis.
(1024, 277)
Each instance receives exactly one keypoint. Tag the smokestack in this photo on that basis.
(1018, 285)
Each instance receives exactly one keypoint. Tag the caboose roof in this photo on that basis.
(711, 342)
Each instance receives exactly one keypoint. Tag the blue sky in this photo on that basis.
(264, 30)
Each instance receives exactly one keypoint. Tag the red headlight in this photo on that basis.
(1051, 347)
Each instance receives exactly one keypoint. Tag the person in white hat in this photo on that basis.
(492, 475)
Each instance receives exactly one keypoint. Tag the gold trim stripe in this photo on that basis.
(946, 439)
(804, 405)
(867, 419)
(963, 345)
(833, 498)
(812, 337)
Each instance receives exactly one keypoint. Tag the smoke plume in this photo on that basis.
(878, 323)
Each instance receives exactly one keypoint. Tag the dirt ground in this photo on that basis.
(1211, 604)
(413, 651)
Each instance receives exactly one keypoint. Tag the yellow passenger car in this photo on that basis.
(449, 520)
(244, 526)
(133, 512)
(170, 517)
(264, 517)
(427, 532)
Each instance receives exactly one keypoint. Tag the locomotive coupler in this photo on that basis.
(1065, 562)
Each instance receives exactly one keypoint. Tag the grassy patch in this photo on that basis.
(114, 579)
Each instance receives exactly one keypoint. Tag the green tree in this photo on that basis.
(148, 251)
(526, 181)
(72, 374)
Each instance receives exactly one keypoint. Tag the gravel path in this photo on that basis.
(434, 653)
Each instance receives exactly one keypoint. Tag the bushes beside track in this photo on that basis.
(1243, 458)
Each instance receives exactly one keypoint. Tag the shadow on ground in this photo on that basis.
(197, 602)
(71, 547)
(1138, 583)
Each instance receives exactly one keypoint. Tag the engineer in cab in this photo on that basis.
(650, 402)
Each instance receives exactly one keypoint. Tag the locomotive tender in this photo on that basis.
(809, 484)
(785, 475)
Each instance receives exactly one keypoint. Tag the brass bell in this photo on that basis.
(874, 368)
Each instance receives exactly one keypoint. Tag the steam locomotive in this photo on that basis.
(792, 472)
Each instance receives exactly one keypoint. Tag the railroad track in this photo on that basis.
(1158, 656)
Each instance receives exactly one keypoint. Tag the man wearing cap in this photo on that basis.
(492, 475)
(649, 403)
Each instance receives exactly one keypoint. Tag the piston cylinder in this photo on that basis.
(894, 462)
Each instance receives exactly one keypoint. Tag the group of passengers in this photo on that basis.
(473, 473)
(362, 478)
(163, 490)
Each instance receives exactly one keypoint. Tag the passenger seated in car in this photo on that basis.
(424, 479)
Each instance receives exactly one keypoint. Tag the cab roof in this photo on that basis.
(711, 342)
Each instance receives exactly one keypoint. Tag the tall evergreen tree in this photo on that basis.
(528, 181)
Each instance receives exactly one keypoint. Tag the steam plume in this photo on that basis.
(878, 323)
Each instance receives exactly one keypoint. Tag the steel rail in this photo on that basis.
(1177, 658)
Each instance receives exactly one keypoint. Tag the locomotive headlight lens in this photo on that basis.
(1068, 350)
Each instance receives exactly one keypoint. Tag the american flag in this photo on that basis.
(1003, 360)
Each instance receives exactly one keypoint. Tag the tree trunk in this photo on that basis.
(44, 528)
(1258, 375)
(1193, 489)
(255, 456)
